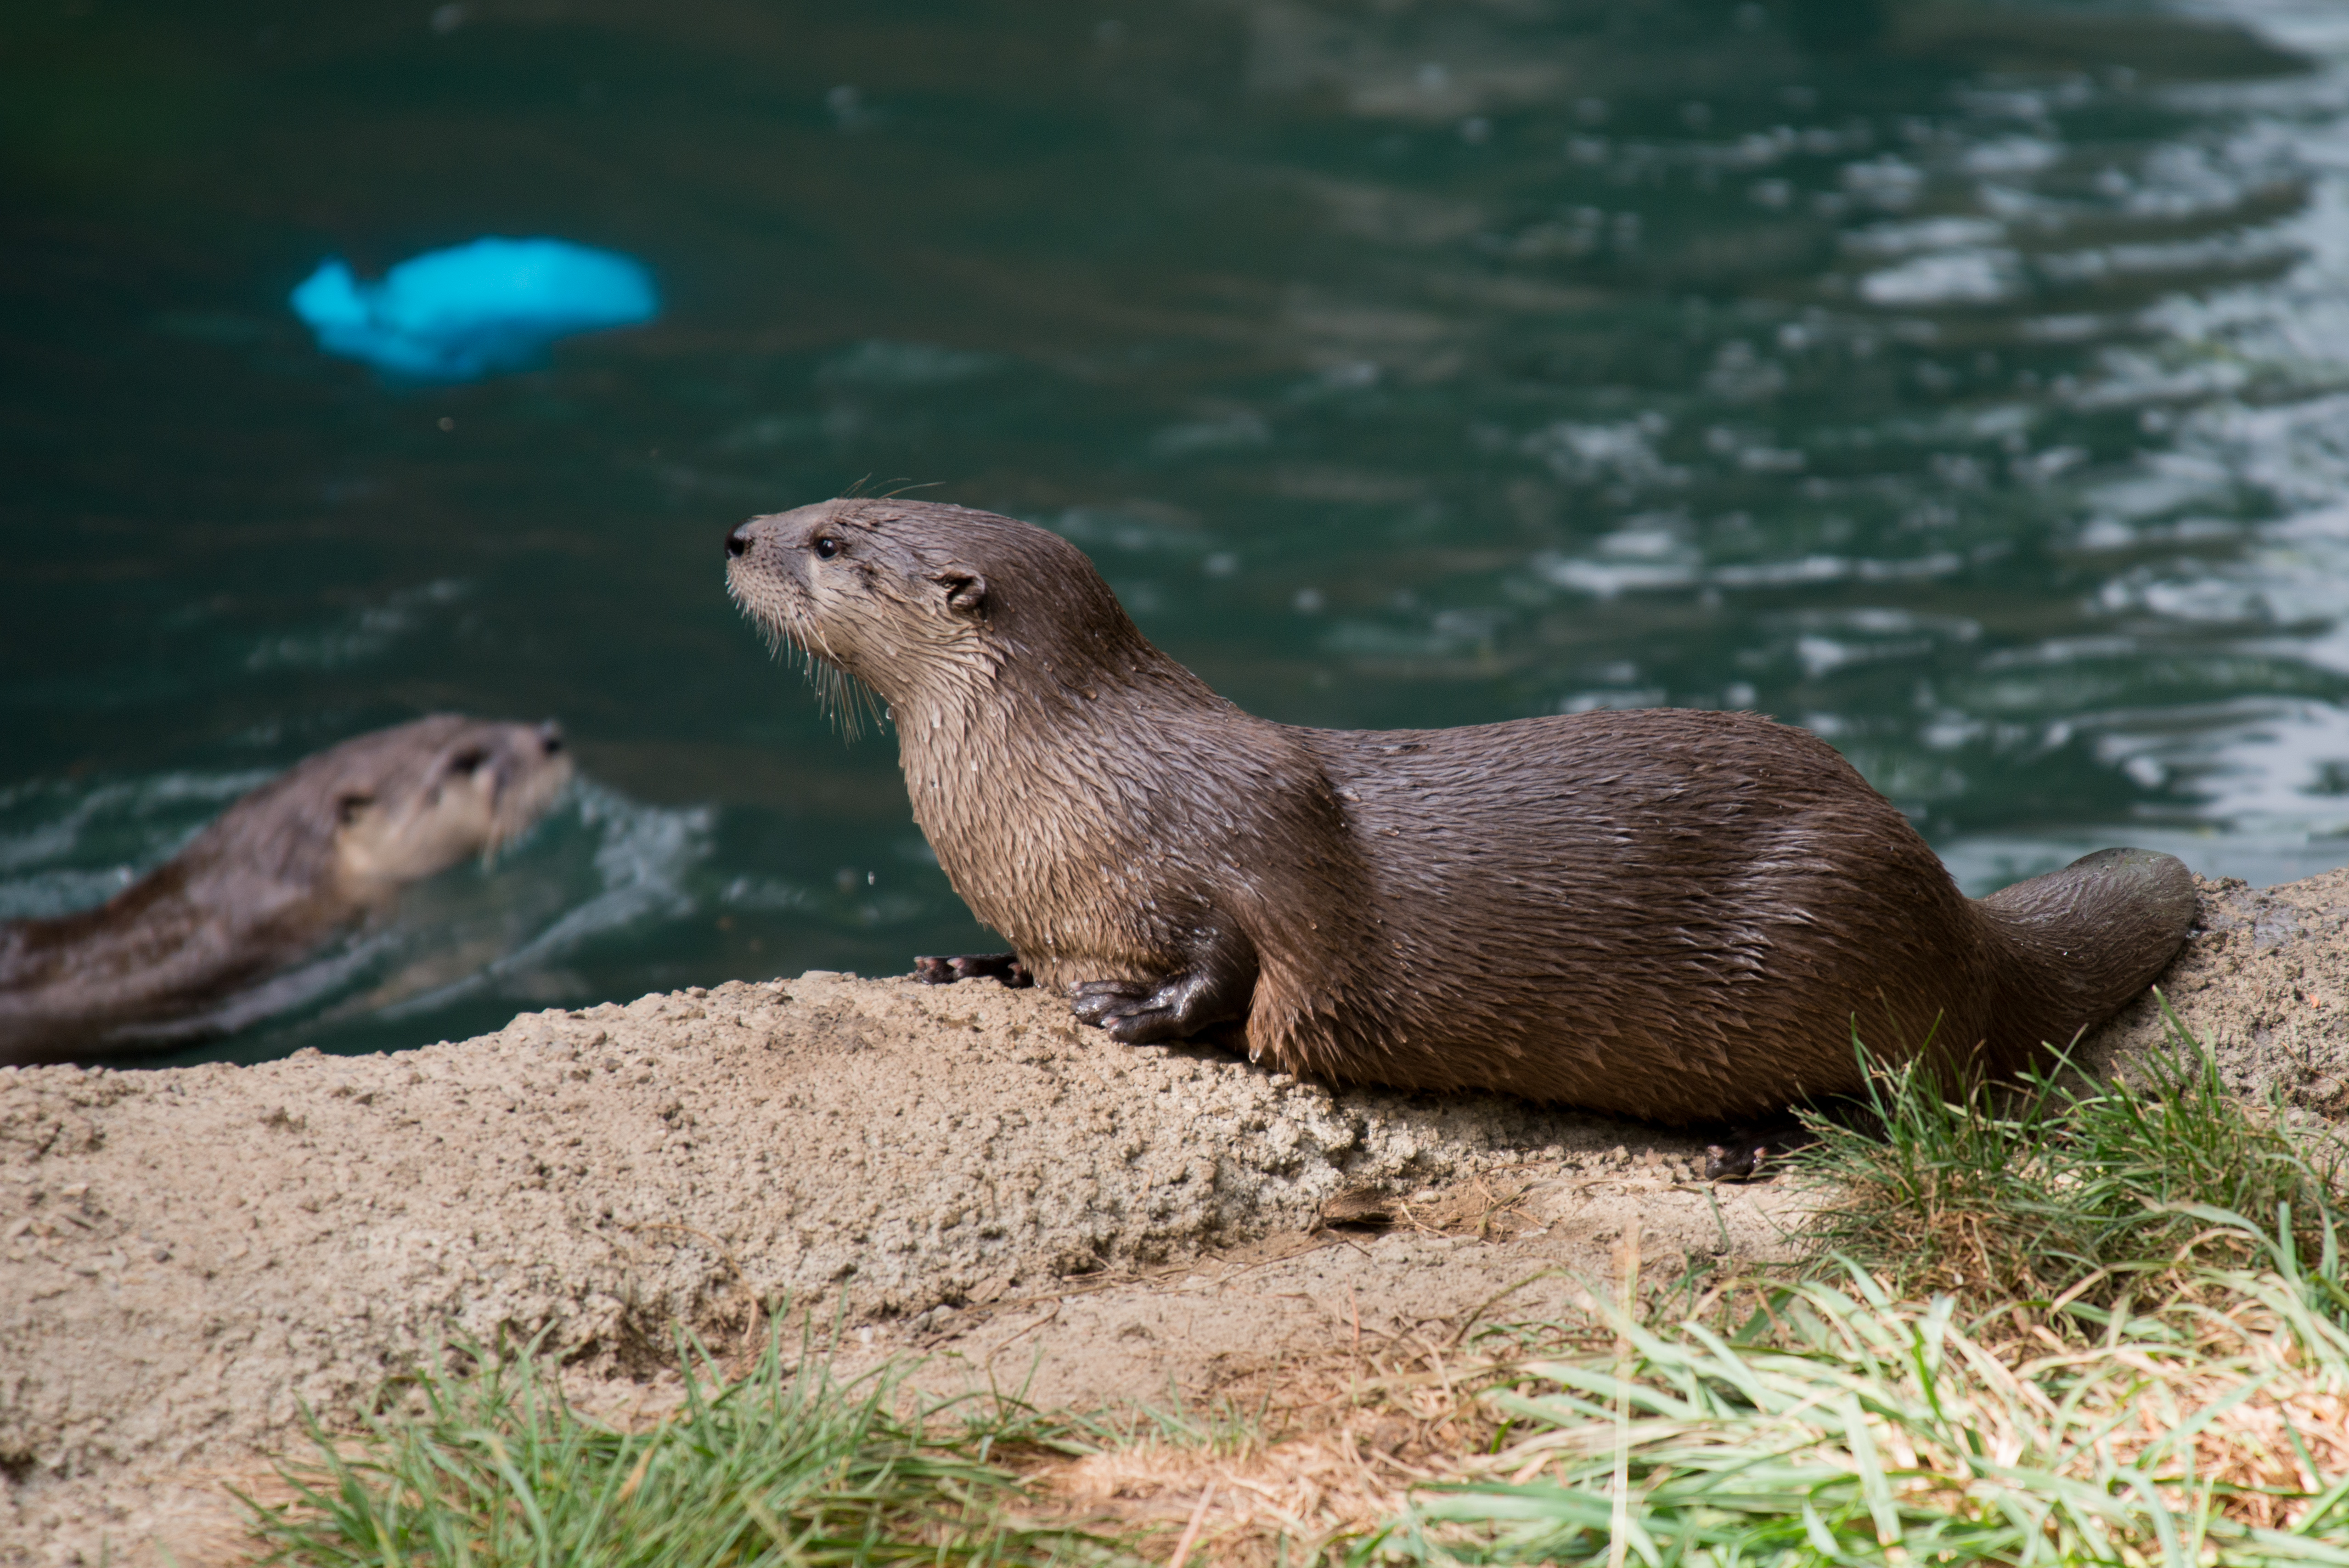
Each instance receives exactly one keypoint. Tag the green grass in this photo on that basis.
(786, 1466)
(2108, 1327)
(2064, 1193)
(1862, 1429)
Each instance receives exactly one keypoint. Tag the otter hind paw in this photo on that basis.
(1742, 1160)
(1756, 1153)
(1005, 967)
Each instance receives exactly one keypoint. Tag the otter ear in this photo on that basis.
(966, 590)
(351, 807)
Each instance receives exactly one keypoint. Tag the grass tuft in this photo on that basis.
(2070, 1194)
(787, 1465)
(1865, 1430)
(1969, 1375)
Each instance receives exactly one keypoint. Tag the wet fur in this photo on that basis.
(1676, 915)
(278, 873)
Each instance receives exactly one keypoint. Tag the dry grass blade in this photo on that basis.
(1867, 1429)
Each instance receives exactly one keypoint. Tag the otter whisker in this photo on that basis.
(845, 700)
(788, 628)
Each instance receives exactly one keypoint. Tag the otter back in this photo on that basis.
(1679, 915)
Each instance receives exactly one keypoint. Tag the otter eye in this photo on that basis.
(465, 761)
(827, 547)
(351, 807)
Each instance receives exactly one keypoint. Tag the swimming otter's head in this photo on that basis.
(412, 801)
(358, 821)
(919, 600)
(328, 842)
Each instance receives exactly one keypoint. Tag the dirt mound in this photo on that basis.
(191, 1253)
(2264, 982)
(185, 1255)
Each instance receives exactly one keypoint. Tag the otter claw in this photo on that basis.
(1129, 1012)
(1099, 1000)
(1005, 967)
(1215, 988)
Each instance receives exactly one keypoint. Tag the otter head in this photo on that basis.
(919, 602)
(406, 802)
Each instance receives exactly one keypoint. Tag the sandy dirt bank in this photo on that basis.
(185, 1255)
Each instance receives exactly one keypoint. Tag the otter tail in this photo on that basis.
(2080, 943)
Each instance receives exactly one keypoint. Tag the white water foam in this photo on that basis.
(645, 857)
(599, 864)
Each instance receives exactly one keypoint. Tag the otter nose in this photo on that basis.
(738, 540)
(550, 737)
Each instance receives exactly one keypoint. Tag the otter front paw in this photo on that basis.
(1131, 1011)
(1005, 967)
(1213, 988)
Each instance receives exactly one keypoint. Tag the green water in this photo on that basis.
(1967, 383)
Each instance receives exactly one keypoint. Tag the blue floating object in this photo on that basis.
(471, 310)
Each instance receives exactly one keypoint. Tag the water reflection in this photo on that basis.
(1965, 383)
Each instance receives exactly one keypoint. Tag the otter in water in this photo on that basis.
(330, 841)
(1681, 916)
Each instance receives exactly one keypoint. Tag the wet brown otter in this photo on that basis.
(320, 846)
(1676, 915)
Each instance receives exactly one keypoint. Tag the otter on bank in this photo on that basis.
(321, 845)
(1677, 915)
